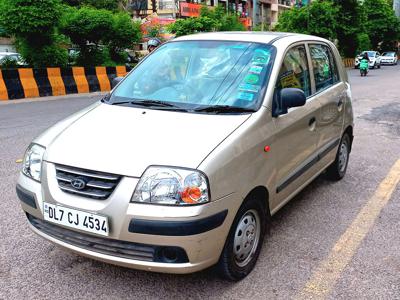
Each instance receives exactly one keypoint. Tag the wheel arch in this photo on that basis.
(260, 192)
(349, 131)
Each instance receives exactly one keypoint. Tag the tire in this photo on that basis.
(379, 66)
(338, 168)
(244, 242)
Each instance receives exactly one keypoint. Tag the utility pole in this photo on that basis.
(254, 13)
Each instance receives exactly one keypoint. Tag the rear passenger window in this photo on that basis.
(294, 71)
(324, 67)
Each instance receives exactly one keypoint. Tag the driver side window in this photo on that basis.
(294, 73)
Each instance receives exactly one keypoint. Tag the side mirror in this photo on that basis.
(115, 81)
(289, 97)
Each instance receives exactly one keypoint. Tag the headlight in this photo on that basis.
(172, 186)
(33, 161)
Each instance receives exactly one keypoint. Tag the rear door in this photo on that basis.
(295, 135)
(331, 92)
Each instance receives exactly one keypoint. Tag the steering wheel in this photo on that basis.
(189, 89)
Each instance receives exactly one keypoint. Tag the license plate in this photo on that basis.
(75, 219)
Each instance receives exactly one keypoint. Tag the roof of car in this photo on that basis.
(267, 37)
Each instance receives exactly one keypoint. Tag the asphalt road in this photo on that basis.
(303, 233)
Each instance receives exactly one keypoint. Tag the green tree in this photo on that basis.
(210, 20)
(33, 24)
(310, 19)
(350, 25)
(99, 4)
(86, 27)
(382, 25)
(99, 34)
(124, 34)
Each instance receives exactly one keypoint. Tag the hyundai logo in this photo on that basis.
(78, 183)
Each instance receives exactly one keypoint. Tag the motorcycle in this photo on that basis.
(364, 65)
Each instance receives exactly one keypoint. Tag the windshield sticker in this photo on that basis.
(251, 78)
(261, 57)
(245, 96)
(249, 88)
(256, 69)
(241, 46)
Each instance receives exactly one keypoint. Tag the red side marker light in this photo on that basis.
(267, 148)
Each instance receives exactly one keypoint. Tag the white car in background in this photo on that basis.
(374, 59)
(11, 56)
(389, 58)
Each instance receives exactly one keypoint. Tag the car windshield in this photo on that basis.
(198, 75)
(370, 53)
(391, 54)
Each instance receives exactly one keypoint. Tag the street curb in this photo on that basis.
(53, 98)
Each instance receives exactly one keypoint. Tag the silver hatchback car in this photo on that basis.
(183, 164)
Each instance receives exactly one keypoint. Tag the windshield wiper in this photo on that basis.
(224, 109)
(151, 103)
(146, 103)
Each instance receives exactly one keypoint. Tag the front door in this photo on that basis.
(295, 135)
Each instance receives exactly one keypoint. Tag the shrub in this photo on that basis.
(210, 20)
(100, 35)
(33, 24)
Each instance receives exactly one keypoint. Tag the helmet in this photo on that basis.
(155, 42)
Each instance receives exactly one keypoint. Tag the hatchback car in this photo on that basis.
(389, 58)
(183, 164)
(374, 59)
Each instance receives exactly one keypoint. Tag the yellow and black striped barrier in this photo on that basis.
(29, 83)
(348, 62)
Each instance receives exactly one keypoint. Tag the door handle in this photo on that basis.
(340, 102)
(312, 121)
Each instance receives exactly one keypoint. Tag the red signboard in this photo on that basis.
(189, 9)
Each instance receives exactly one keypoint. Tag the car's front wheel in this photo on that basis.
(244, 241)
(337, 169)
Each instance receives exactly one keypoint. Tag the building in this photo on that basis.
(396, 7)
(6, 45)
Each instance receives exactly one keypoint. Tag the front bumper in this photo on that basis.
(198, 232)
(388, 62)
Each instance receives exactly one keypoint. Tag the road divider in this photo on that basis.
(29, 83)
(348, 62)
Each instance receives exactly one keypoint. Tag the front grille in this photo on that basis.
(107, 246)
(97, 185)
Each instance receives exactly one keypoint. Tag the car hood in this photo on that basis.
(126, 140)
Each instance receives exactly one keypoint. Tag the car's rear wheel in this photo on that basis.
(337, 169)
(244, 241)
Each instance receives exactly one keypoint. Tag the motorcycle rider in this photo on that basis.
(152, 44)
(364, 64)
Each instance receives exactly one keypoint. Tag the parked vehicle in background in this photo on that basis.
(389, 58)
(11, 58)
(205, 139)
(374, 59)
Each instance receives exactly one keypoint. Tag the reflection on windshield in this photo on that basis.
(199, 74)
